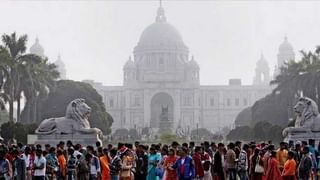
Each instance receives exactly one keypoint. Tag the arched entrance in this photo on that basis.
(160, 103)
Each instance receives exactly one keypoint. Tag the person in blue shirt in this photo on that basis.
(184, 166)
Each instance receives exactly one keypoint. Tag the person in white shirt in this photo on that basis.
(39, 166)
(26, 157)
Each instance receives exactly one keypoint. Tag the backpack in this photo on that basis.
(96, 162)
(72, 163)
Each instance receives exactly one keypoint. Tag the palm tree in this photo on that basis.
(13, 49)
(27, 74)
(300, 77)
(4, 63)
(39, 80)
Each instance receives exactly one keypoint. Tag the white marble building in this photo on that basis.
(162, 74)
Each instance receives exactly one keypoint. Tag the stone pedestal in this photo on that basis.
(302, 136)
(54, 139)
(165, 126)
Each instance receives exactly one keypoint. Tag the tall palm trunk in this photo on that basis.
(11, 110)
(34, 113)
(18, 109)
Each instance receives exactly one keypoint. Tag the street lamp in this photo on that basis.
(198, 131)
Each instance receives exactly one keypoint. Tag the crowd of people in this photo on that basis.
(187, 161)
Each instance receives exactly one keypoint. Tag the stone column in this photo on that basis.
(220, 109)
(177, 107)
(196, 107)
(146, 108)
(127, 110)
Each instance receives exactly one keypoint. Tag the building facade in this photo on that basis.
(161, 74)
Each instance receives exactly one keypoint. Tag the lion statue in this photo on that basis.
(308, 118)
(75, 121)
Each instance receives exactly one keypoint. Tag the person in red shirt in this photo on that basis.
(171, 174)
(273, 172)
(199, 171)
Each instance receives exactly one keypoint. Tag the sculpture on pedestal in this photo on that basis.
(165, 122)
(307, 120)
(164, 116)
(74, 122)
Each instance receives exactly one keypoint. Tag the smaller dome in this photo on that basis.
(193, 63)
(129, 64)
(37, 49)
(262, 62)
(285, 45)
(59, 62)
(61, 67)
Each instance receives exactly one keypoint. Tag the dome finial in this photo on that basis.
(160, 14)
(261, 56)
(285, 38)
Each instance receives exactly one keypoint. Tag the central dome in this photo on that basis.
(160, 33)
(160, 36)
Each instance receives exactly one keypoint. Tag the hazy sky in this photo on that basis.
(95, 38)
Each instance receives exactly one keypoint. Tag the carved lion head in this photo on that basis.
(306, 107)
(78, 109)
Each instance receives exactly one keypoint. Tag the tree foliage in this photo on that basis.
(244, 118)
(261, 131)
(18, 131)
(201, 133)
(65, 91)
(240, 133)
(168, 137)
(273, 109)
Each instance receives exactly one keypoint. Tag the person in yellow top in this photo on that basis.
(290, 166)
(127, 164)
(282, 155)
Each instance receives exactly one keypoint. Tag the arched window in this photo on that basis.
(228, 102)
(136, 100)
(111, 103)
(161, 61)
(245, 101)
(187, 100)
(237, 102)
(211, 101)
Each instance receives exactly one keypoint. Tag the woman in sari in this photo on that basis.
(105, 170)
(273, 171)
(153, 160)
(171, 174)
